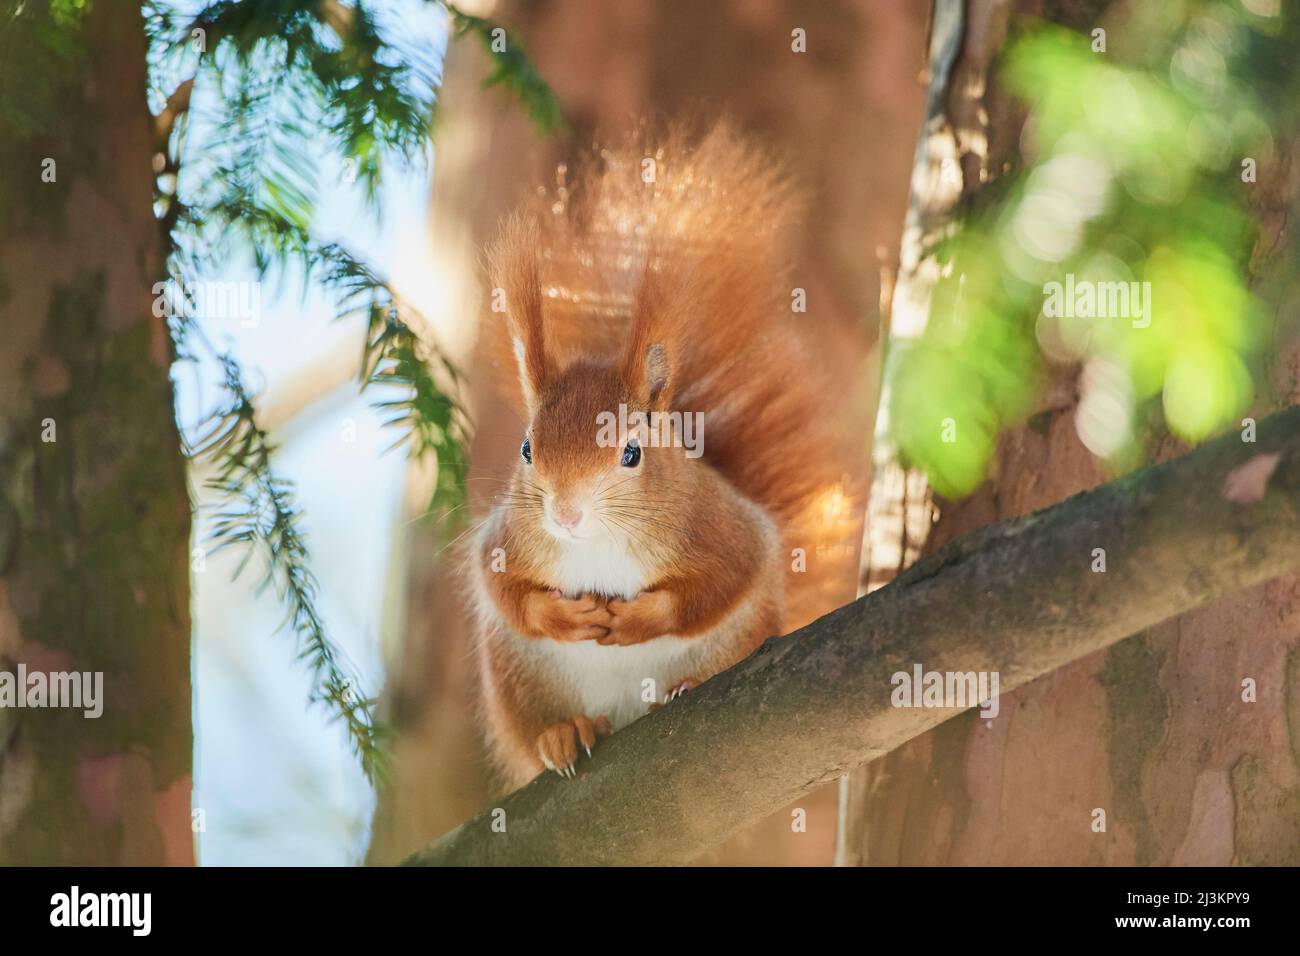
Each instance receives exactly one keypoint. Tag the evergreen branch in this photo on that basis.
(372, 98)
(513, 69)
(436, 424)
(419, 384)
(395, 360)
(261, 514)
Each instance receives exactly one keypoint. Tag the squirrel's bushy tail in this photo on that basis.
(711, 217)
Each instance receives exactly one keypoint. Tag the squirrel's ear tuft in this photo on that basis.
(647, 372)
(527, 384)
(514, 270)
(647, 365)
(657, 371)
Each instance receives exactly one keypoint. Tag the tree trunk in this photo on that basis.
(94, 510)
(1154, 730)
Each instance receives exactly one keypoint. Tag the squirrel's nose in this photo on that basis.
(567, 517)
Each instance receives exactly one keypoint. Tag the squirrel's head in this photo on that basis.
(596, 460)
(602, 455)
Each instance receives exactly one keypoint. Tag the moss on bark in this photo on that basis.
(94, 524)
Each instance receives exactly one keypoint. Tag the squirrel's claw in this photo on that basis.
(689, 683)
(557, 745)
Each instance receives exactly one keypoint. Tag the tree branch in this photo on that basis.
(177, 104)
(1018, 598)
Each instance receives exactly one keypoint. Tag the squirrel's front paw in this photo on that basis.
(646, 616)
(584, 618)
(557, 745)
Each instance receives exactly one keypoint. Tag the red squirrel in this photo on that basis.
(625, 565)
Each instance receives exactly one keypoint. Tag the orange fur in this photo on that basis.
(664, 296)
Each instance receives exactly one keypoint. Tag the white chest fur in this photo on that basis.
(617, 682)
(620, 683)
(611, 680)
(601, 566)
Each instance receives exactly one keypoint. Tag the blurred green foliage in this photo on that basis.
(513, 70)
(1141, 162)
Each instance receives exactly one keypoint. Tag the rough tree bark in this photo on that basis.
(966, 133)
(1018, 598)
(94, 510)
(1150, 730)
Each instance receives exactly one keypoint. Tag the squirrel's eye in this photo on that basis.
(631, 455)
(526, 449)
